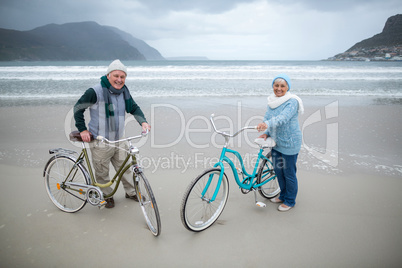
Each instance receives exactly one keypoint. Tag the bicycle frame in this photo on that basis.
(241, 184)
(116, 178)
(249, 182)
(84, 157)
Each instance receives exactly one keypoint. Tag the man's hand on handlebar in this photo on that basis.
(146, 127)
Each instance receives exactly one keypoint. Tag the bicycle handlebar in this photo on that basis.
(143, 134)
(227, 134)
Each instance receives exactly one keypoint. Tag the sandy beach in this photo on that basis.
(348, 211)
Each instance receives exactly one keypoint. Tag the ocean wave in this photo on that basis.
(212, 78)
(159, 93)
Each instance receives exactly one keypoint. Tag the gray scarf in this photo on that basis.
(108, 90)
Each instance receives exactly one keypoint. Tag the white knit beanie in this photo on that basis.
(116, 65)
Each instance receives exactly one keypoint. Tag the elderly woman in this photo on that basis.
(282, 124)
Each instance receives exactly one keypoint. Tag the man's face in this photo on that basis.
(117, 79)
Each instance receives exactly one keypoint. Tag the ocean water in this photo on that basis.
(44, 83)
(24, 83)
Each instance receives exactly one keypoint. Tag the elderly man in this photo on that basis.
(108, 102)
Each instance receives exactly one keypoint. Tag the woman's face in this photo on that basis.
(280, 87)
(117, 79)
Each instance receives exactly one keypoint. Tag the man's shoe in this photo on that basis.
(109, 202)
(133, 197)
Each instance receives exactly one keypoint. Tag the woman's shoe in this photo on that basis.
(283, 208)
(275, 200)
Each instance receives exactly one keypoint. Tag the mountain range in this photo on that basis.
(82, 41)
(391, 35)
(73, 41)
(386, 45)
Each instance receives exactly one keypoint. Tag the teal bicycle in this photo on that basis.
(206, 196)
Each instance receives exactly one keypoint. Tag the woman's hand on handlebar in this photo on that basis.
(262, 127)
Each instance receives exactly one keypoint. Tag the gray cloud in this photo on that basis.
(205, 6)
(220, 29)
(219, 6)
(339, 5)
(27, 14)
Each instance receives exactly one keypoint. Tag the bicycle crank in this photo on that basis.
(93, 194)
(95, 197)
(258, 203)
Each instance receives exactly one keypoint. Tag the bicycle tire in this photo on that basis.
(147, 203)
(265, 172)
(197, 213)
(68, 199)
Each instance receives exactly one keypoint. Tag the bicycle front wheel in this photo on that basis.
(148, 204)
(266, 172)
(58, 171)
(198, 211)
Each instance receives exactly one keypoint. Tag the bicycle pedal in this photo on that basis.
(260, 204)
(102, 204)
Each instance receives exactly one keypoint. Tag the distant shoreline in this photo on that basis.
(187, 58)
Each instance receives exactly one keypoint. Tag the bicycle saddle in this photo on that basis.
(268, 143)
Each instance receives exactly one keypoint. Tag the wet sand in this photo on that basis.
(348, 211)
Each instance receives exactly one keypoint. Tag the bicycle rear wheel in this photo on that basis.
(61, 169)
(197, 211)
(266, 172)
(148, 203)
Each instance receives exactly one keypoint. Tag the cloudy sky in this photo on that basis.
(220, 29)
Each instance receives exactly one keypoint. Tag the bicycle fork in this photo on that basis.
(218, 185)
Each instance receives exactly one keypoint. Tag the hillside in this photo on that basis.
(72, 41)
(149, 52)
(386, 45)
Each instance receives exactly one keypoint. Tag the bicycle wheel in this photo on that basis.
(58, 170)
(148, 203)
(197, 211)
(266, 172)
